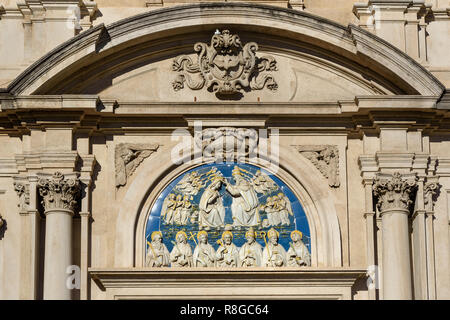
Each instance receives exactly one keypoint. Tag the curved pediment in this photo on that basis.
(314, 57)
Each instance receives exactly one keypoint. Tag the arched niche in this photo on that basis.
(312, 191)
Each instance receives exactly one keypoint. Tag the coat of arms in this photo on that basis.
(225, 67)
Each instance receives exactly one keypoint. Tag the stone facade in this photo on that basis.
(341, 110)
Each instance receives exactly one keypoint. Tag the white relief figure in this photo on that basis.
(204, 253)
(191, 184)
(284, 209)
(244, 207)
(298, 254)
(181, 255)
(168, 208)
(185, 211)
(263, 183)
(250, 254)
(273, 215)
(157, 253)
(178, 209)
(227, 255)
(274, 255)
(212, 211)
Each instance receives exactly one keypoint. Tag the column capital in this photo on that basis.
(394, 191)
(58, 192)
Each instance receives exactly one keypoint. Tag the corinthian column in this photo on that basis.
(59, 198)
(394, 193)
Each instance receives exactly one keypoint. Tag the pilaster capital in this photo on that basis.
(58, 192)
(394, 192)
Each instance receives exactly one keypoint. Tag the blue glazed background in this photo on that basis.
(301, 223)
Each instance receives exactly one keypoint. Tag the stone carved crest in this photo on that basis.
(326, 159)
(128, 156)
(23, 192)
(58, 192)
(227, 143)
(225, 67)
(394, 191)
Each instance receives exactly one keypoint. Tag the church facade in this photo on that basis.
(285, 149)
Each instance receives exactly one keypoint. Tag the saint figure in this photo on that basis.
(157, 253)
(181, 255)
(274, 254)
(227, 254)
(250, 254)
(204, 253)
(298, 253)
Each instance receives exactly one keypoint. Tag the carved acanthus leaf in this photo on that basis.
(326, 160)
(23, 192)
(128, 156)
(394, 191)
(58, 192)
(227, 143)
(225, 67)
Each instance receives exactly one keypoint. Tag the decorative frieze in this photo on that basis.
(227, 143)
(59, 193)
(394, 191)
(128, 156)
(225, 67)
(325, 158)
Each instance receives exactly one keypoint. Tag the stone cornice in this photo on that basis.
(352, 42)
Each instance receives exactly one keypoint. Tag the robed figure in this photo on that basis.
(244, 207)
(211, 209)
(157, 253)
(204, 253)
(181, 255)
(250, 254)
(227, 254)
(274, 255)
(298, 254)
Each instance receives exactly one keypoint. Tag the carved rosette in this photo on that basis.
(394, 192)
(225, 66)
(227, 143)
(59, 193)
(326, 159)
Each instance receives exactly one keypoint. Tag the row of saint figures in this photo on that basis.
(228, 255)
(245, 207)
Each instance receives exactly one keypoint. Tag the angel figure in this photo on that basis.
(204, 253)
(178, 209)
(168, 208)
(284, 209)
(263, 183)
(128, 157)
(186, 210)
(273, 215)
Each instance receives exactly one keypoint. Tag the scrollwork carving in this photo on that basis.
(430, 190)
(225, 66)
(394, 191)
(59, 193)
(128, 157)
(227, 143)
(326, 160)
